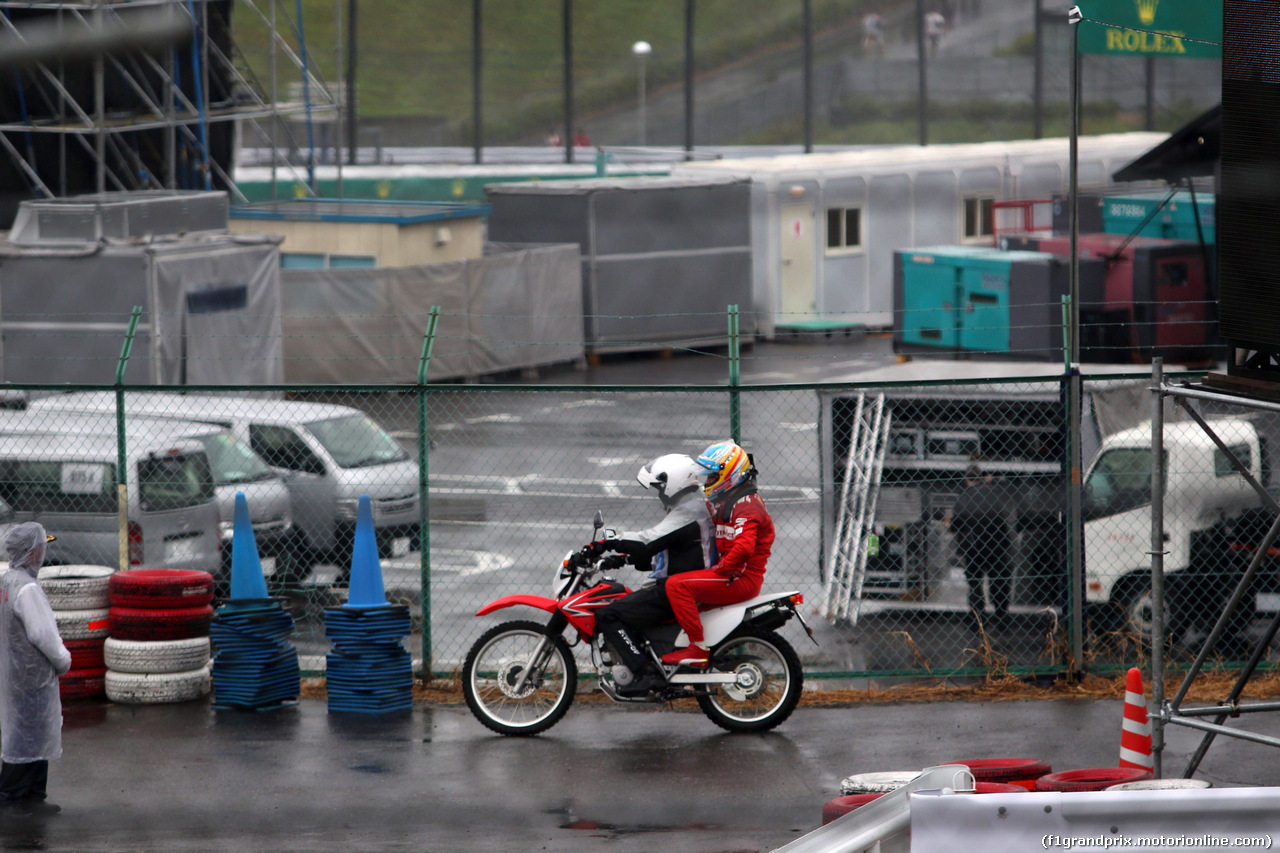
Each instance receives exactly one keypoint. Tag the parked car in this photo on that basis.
(236, 468)
(329, 455)
(68, 484)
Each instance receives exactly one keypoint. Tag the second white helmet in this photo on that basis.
(673, 475)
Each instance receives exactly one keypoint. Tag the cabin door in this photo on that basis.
(798, 283)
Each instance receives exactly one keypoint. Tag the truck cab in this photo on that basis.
(1202, 490)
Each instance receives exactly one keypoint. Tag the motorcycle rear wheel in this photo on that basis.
(769, 682)
(491, 674)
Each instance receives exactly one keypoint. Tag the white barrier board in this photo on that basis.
(1201, 820)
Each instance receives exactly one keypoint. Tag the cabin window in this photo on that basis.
(1222, 466)
(318, 261)
(979, 219)
(844, 229)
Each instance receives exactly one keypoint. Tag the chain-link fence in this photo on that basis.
(928, 525)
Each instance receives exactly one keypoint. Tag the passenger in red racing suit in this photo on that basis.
(744, 540)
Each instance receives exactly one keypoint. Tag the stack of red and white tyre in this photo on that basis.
(158, 648)
(79, 597)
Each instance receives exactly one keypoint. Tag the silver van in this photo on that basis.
(235, 468)
(328, 454)
(68, 484)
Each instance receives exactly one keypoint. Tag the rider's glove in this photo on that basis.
(613, 561)
(596, 548)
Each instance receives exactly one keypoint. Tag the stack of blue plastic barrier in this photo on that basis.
(368, 670)
(255, 666)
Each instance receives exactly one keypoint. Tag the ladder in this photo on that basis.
(856, 511)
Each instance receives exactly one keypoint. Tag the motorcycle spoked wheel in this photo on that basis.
(768, 685)
(491, 674)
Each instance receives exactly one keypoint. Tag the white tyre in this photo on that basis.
(86, 624)
(76, 587)
(155, 656)
(133, 688)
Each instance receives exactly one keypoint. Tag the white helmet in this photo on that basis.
(675, 475)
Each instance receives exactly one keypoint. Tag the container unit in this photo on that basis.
(978, 299)
(210, 300)
(661, 257)
(825, 226)
(1157, 291)
(1123, 213)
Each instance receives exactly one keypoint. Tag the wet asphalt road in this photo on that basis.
(187, 777)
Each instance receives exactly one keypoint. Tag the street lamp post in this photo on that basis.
(642, 49)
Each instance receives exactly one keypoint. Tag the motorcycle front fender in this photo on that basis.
(539, 602)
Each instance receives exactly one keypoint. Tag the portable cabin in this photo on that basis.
(825, 226)
(359, 234)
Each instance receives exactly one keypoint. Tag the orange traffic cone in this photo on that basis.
(1135, 731)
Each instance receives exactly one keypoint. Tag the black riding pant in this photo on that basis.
(620, 622)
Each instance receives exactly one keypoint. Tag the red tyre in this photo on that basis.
(1090, 779)
(86, 654)
(998, 788)
(175, 623)
(841, 806)
(82, 683)
(161, 588)
(1014, 771)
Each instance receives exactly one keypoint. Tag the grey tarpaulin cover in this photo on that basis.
(211, 310)
(31, 654)
(518, 306)
(669, 281)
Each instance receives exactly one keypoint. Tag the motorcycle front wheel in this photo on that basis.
(518, 679)
(767, 689)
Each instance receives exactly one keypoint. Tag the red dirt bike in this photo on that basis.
(520, 677)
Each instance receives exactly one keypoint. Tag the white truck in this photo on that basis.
(1202, 494)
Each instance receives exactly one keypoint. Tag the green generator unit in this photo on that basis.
(1175, 220)
(978, 299)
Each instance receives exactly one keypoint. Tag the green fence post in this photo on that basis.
(122, 469)
(735, 396)
(1066, 332)
(424, 522)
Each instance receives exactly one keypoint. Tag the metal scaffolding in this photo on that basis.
(1169, 712)
(177, 97)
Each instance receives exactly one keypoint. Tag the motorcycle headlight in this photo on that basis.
(563, 577)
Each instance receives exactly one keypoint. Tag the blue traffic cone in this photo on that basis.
(247, 580)
(365, 588)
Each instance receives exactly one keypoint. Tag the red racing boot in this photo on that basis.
(688, 656)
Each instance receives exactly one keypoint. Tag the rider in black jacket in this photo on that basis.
(681, 542)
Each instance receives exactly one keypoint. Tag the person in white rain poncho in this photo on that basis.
(32, 657)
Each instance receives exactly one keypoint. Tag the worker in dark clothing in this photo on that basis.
(980, 523)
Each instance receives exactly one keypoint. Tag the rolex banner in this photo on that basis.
(1189, 28)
